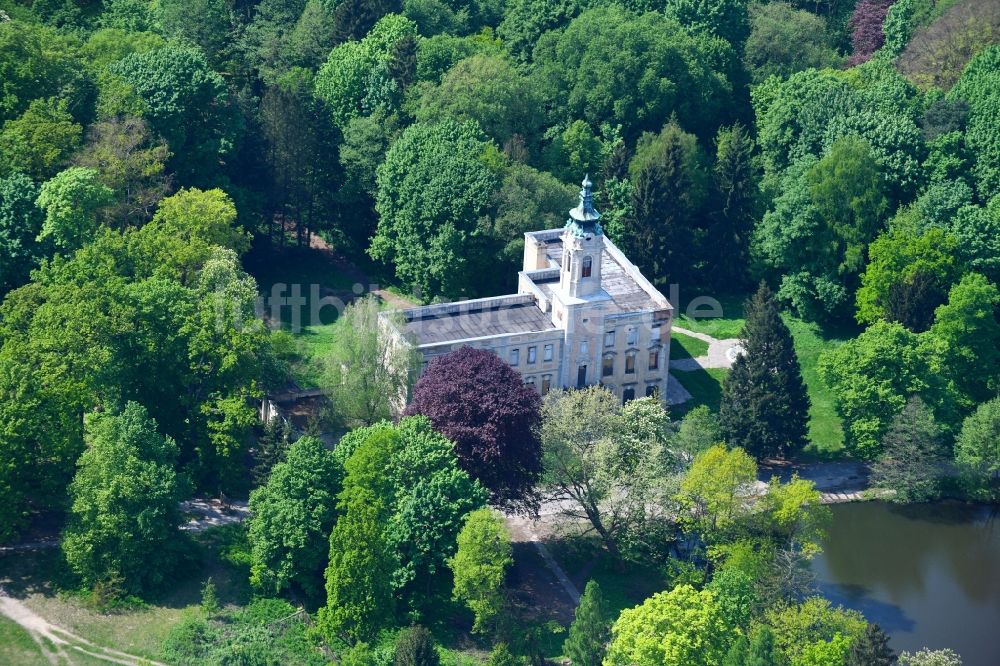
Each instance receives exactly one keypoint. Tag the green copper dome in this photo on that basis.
(583, 220)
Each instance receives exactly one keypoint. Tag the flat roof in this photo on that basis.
(482, 318)
(627, 294)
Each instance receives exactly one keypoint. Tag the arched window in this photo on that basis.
(588, 265)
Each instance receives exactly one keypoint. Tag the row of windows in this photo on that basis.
(546, 383)
(515, 354)
(608, 363)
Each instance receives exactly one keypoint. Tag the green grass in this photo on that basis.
(722, 327)
(705, 387)
(684, 346)
(17, 646)
(826, 431)
(139, 631)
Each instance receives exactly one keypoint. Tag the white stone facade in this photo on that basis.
(583, 315)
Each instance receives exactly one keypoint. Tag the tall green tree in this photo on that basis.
(415, 647)
(873, 376)
(432, 189)
(611, 469)
(965, 339)
(913, 455)
(590, 633)
(187, 103)
(20, 223)
(716, 489)
(359, 592)
(765, 407)
(370, 375)
(682, 627)
(71, 201)
(125, 511)
(735, 183)
(977, 446)
(480, 567)
(40, 140)
(908, 276)
(291, 518)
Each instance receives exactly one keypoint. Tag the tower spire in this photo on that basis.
(584, 218)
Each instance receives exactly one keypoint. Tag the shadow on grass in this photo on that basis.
(705, 387)
(219, 553)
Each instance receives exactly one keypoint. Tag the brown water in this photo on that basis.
(928, 574)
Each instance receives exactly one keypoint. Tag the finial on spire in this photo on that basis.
(585, 214)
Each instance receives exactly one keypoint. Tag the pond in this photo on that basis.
(928, 574)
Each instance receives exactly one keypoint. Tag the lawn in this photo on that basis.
(140, 631)
(684, 346)
(826, 431)
(705, 387)
(306, 274)
(704, 318)
(17, 647)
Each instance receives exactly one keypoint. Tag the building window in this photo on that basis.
(652, 390)
(654, 335)
(609, 339)
(547, 353)
(588, 267)
(608, 366)
(630, 363)
(546, 383)
(529, 381)
(515, 356)
(532, 354)
(633, 336)
(654, 359)
(628, 394)
(583, 348)
(581, 376)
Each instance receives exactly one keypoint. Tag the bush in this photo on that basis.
(415, 647)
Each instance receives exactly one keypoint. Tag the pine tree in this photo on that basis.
(912, 455)
(272, 445)
(872, 649)
(736, 190)
(209, 598)
(591, 630)
(764, 402)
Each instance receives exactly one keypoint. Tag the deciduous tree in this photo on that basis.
(72, 201)
(604, 469)
(292, 516)
(480, 566)
(682, 627)
(977, 446)
(125, 510)
(481, 404)
(369, 375)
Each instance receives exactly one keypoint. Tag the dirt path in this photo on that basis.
(58, 645)
(357, 275)
(721, 353)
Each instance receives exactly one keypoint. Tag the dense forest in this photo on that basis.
(843, 156)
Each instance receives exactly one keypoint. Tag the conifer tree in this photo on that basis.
(736, 190)
(591, 629)
(738, 653)
(764, 402)
(872, 649)
(762, 651)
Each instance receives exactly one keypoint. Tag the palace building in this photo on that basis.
(583, 314)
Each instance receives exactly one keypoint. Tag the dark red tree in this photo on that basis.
(480, 403)
(866, 29)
